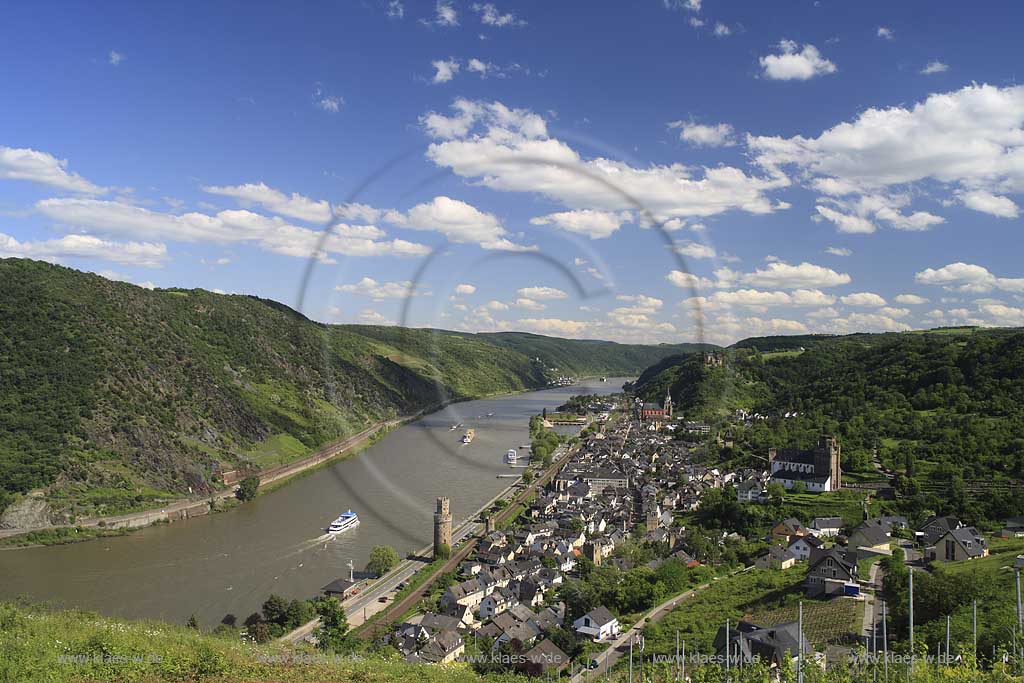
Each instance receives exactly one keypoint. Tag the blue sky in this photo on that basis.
(650, 171)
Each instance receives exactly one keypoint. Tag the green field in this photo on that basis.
(735, 597)
(279, 449)
(847, 504)
(826, 622)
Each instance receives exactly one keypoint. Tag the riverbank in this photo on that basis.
(188, 508)
(183, 509)
(271, 479)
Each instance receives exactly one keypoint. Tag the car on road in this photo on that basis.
(382, 598)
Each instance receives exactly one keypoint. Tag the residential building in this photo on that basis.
(598, 624)
(826, 527)
(777, 557)
(963, 543)
(773, 645)
(829, 571)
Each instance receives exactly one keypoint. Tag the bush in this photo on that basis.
(247, 489)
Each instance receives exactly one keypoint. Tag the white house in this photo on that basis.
(749, 491)
(496, 603)
(803, 546)
(826, 527)
(599, 624)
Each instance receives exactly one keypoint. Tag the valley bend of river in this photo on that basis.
(230, 562)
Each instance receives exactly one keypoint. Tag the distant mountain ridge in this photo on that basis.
(115, 395)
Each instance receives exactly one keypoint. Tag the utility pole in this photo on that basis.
(1020, 613)
(947, 640)
(682, 677)
(885, 643)
(631, 659)
(677, 653)
(974, 629)
(728, 649)
(911, 598)
(800, 645)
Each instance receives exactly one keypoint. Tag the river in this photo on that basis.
(228, 563)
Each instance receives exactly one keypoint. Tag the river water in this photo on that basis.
(230, 562)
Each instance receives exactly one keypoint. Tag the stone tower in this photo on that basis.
(442, 525)
(827, 457)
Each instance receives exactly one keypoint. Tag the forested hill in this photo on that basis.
(115, 396)
(942, 407)
(573, 357)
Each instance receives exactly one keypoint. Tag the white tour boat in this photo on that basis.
(346, 521)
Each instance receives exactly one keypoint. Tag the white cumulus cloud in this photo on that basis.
(986, 202)
(509, 149)
(934, 67)
(40, 167)
(148, 254)
(869, 299)
(589, 222)
(795, 64)
(704, 135)
(294, 205)
(542, 293)
(444, 69)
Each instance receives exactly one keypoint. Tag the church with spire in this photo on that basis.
(654, 412)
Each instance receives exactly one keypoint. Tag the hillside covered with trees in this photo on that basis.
(943, 410)
(115, 396)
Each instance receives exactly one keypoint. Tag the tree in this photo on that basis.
(299, 612)
(443, 551)
(799, 487)
(332, 634)
(260, 632)
(383, 558)
(192, 623)
(247, 489)
(275, 610)
(776, 492)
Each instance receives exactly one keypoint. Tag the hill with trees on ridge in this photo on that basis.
(944, 408)
(116, 396)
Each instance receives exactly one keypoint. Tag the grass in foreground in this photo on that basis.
(39, 645)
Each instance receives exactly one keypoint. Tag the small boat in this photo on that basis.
(453, 428)
(469, 436)
(511, 456)
(490, 414)
(346, 521)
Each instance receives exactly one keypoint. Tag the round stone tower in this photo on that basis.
(442, 525)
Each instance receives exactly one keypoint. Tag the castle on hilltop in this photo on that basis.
(714, 358)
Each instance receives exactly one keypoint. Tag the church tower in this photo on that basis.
(668, 403)
(442, 525)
